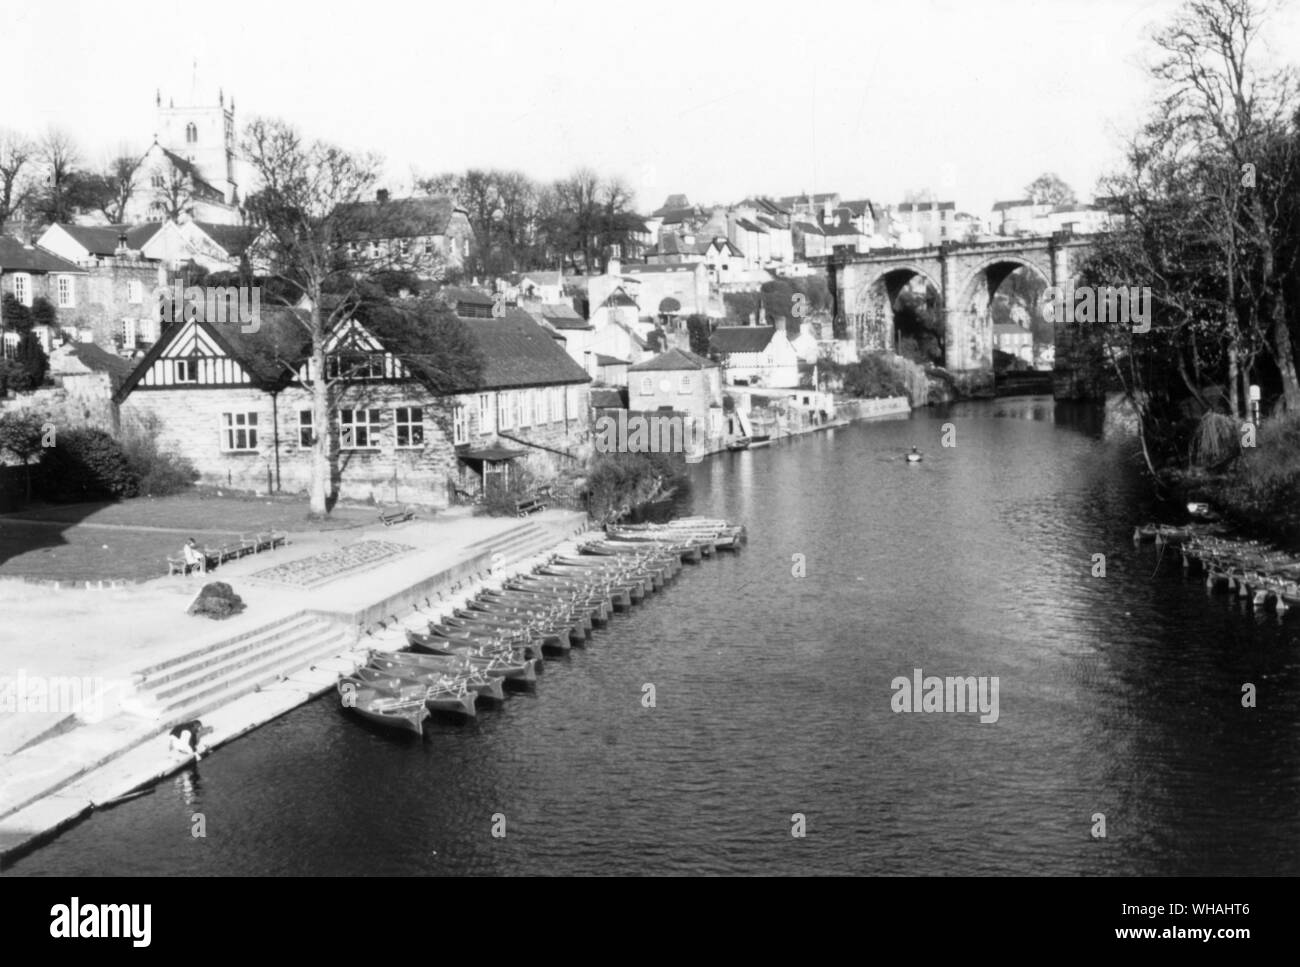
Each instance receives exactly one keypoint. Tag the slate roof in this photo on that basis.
(199, 184)
(402, 217)
(603, 360)
(769, 222)
(519, 352)
(608, 398)
(235, 239)
(543, 278)
(17, 257)
(860, 208)
(677, 216)
(100, 361)
(1001, 206)
(741, 339)
(674, 360)
(101, 240)
(808, 228)
(270, 355)
(749, 226)
(618, 298)
(563, 316)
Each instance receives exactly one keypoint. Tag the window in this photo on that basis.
(130, 334)
(557, 404)
(647, 385)
(191, 133)
(505, 410)
(543, 406)
(135, 291)
(466, 241)
(526, 408)
(158, 182)
(185, 369)
(305, 436)
(239, 431)
(573, 402)
(684, 385)
(23, 288)
(359, 429)
(409, 421)
(459, 426)
(354, 366)
(63, 286)
(405, 246)
(485, 422)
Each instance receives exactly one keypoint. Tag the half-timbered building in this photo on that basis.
(238, 405)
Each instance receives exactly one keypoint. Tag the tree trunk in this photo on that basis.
(1285, 357)
(320, 413)
(1234, 407)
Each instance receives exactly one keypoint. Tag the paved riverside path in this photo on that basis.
(48, 757)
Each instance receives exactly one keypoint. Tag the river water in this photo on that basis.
(1117, 695)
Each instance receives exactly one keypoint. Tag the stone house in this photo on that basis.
(424, 235)
(239, 406)
(756, 355)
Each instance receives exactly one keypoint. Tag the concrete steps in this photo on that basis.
(517, 544)
(193, 684)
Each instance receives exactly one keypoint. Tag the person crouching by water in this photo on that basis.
(185, 739)
(194, 558)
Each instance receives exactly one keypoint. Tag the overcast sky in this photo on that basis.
(715, 99)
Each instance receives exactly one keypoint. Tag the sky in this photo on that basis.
(717, 100)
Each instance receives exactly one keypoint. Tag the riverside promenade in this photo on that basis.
(114, 669)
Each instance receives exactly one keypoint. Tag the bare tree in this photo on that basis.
(59, 156)
(17, 162)
(1217, 96)
(118, 183)
(325, 243)
(1049, 189)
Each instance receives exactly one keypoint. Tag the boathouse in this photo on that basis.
(238, 405)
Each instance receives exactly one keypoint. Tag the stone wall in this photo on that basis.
(88, 404)
(191, 423)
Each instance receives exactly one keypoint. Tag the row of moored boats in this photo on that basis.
(500, 637)
(1256, 570)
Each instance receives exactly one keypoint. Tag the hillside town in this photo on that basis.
(580, 303)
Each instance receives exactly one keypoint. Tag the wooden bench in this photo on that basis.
(527, 505)
(396, 517)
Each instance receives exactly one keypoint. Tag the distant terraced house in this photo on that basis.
(238, 405)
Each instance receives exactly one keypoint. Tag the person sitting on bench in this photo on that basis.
(194, 557)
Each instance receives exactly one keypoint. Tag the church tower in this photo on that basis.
(204, 136)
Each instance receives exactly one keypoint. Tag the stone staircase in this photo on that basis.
(519, 543)
(193, 684)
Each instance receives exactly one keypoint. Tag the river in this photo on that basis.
(1118, 695)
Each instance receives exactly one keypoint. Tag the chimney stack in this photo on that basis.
(381, 195)
(589, 363)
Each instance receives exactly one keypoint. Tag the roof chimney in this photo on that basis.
(589, 363)
(381, 194)
(121, 244)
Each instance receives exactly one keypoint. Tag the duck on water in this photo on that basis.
(914, 456)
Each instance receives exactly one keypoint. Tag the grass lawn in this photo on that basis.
(200, 512)
(132, 539)
(84, 553)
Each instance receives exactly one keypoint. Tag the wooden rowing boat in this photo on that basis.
(475, 680)
(406, 715)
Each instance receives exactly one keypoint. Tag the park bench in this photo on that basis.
(527, 505)
(396, 517)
